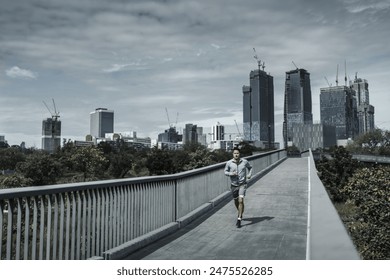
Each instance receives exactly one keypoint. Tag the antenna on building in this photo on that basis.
(295, 65)
(345, 67)
(337, 76)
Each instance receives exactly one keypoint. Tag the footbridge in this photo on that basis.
(190, 215)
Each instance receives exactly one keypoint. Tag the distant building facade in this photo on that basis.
(51, 134)
(218, 132)
(313, 136)
(170, 135)
(365, 111)
(297, 102)
(258, 108)
(190, 134)
(101, 122)
(339, 108)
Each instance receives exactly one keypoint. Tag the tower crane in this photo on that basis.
(337, 76)
(258, 60)
(295, 65)
(327, 82)
(54, 115)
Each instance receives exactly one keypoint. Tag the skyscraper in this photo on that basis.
(190, 134)
(297, 102)
(218, 132)
(365, 111)
(101, 122)
(258, 108)
(338, 108)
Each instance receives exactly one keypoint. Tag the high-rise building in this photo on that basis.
(51, 134)
(170, 136)
(218, 132)
(338, 108)
(101, 122)
(297, 102)
(190, 134)
(365, 111)
(258, 108)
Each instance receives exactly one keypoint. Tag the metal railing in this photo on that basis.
(82, 220)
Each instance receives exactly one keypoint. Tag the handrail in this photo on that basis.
(82, 220)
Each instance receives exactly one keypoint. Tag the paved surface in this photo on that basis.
(274, 225)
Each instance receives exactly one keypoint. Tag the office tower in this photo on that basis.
(218, 132)
(51, 134)
(313, 136)
(338, 108)
(365, 111)
(190, 134)
(297, 102)
(258, 108)
(101, 122)
(201, 138)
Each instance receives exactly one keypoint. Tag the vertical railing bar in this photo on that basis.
(55, 227)
(18, 230)
(61, 232)
(89, 218)
(115, 216)
(110, 221)
(67, 226)
(9, 229)
(126, 213)
(1, 228)
(106, 220)
(98, 222)
(26, 229)
(74, 211)
(122, 215)
(78, 230)
(84, 226)
(102, 223)
(48, 231)
(34, 227)
(93, 229)
(41, 228)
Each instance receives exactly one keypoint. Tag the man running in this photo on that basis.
(239, 171)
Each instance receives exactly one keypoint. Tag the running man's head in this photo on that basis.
(236, 153)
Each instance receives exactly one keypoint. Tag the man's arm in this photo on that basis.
(227, 169)
(249, 167)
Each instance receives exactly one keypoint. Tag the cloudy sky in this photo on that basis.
(138, 57)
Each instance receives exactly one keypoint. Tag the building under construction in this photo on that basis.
(51, 131)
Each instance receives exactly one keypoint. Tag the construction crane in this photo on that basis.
(258, 60)
(238, 130)
(295, 65)
(337, 76)
(169, 122)
(54, 115)
(327, 82)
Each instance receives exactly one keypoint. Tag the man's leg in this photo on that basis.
(240, 207)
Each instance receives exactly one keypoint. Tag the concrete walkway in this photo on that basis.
(274, 225)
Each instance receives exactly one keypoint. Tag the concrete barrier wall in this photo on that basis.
(328, 238)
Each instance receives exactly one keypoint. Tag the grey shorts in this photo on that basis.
(238, 191)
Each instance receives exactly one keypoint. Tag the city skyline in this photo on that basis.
(191, 57)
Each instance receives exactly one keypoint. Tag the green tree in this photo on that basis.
(41, 168)
(160, 162)
(90, 161)
(10, 157)
(14, 181)
(369, 189)
(375, 142)
(335, 172)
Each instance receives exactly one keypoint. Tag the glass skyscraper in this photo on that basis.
(101, 122)
(258, 108)
(297, 102)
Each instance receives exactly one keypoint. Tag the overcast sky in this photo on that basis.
(191, 57)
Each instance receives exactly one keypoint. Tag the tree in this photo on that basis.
(10, 157)
(368, 189)
(41, 168)
(160, 162)
(335, 172)
(90, 161)
(373, 142)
